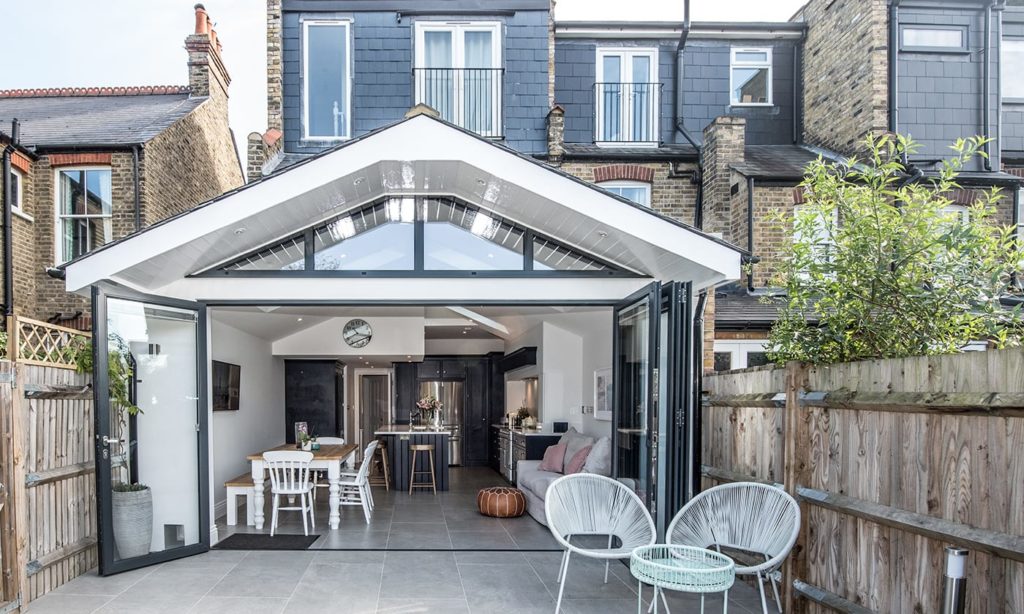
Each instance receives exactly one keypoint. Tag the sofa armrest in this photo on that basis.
(527, 465)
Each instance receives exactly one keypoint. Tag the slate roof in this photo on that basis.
(779, 162)
(94, 116)
(662, 152)
(736, 309)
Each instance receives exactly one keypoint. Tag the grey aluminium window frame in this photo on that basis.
(962, 28)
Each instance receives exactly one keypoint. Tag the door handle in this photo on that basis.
(107, 441)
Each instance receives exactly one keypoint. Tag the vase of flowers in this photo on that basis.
(431, 407)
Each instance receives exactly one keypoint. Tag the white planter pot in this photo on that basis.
(133, 522)
(308, 446)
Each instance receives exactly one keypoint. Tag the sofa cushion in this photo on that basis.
(554, 458)
(537, 482)
(575, 465)
(574, 444)
(599, 460)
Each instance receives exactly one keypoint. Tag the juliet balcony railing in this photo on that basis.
(626, 113)
(468, 97)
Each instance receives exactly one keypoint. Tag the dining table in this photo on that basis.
(329, 458)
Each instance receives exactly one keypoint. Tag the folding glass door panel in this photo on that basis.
(151, 431)
(635, 383)
(653, 434)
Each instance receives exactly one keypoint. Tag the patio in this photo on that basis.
(226, 582)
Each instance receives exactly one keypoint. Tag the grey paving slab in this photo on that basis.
(61, 603)
(423, 575)
(90, 583)
(422, 606)
(238, 605)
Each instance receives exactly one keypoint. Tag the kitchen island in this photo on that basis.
(399, 437)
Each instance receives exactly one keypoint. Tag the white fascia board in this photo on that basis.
(407, 290)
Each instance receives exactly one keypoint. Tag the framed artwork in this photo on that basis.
(300, 428)
(603, 394)
(226, 386)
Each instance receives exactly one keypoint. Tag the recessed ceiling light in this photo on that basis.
(359, 180)
(481, 182)
(602, 234)
(298, 319)
(240, 230)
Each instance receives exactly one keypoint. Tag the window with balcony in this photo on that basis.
(458, 73)
(626, 97)
(750, 77)
(84, 220)
(326, 79)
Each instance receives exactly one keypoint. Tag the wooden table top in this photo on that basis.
(326, 452)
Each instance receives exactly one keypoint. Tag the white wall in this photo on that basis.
(561, 388)
(597, 354)
(259, 422)
(397, 336)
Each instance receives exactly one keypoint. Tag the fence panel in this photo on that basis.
(893, 460)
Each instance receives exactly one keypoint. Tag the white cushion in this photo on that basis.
(600, 459)
(574, 444)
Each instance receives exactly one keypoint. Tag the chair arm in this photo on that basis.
(527, 465)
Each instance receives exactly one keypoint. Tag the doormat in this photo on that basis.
(261, 541)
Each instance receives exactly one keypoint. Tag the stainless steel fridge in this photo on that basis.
(452, 397)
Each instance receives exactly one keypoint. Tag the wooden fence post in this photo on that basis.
(795, 464)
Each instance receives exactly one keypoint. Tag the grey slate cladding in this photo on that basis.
(940, 94)
(95, 120)
(382, 88)
(705, 88)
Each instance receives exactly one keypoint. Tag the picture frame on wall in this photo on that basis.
(603, 394)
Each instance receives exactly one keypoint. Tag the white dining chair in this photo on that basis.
(355, 487)
(289, 477)
(586, 504)
(319, 474)
(745, 516)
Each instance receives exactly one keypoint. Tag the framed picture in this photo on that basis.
(603, 394)
(226, 386)
(300, 429)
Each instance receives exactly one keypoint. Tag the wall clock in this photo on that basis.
(357, 333)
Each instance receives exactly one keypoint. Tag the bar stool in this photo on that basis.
(429, 449)
(380, 473)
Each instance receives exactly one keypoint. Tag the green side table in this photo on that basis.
(681, 568)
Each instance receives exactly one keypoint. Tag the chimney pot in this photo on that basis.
(202, 20)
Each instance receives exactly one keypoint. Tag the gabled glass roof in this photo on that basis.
(425, 236)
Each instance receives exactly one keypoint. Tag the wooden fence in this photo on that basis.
(48, 520)
(891, 460)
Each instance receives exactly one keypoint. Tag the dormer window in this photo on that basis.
(458, 73)
(327, 77)
(750, 77)
(626, 96)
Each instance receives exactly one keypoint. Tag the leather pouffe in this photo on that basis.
(501, 502)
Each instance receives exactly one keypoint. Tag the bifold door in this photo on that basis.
(151, 430)
(652, 381)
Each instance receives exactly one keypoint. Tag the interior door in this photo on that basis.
(635, 437)
(159, 346)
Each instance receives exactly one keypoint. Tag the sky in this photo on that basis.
(76, 43)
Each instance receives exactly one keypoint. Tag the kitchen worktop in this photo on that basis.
(523, 431)
(405, 429)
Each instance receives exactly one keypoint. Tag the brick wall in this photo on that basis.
(845, 72)
(674, 196)
(23, 247)
(275, 92)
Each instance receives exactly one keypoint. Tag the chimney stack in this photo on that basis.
(207, 75)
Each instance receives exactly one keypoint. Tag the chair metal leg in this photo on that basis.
(775, 589)
(654, 600)
(702, 603)
(639, 597)
(561, 565)
(725, 602)
(664, 600)
(608, 563)
(561, 585)
(760, 587)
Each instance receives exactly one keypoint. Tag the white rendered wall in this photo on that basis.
(259, 422)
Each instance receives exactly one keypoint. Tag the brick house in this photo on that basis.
(91, 165)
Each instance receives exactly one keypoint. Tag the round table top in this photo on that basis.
(683, 568)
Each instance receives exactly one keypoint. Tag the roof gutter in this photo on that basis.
(8, 231)
(677, 116)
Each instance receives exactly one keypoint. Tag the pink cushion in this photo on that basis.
(554, 456)
(575, 464)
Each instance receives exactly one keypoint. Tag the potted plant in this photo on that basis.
(132, 512)
(131, 504)
(306, 441)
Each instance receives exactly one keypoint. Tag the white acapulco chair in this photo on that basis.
(322, 473)
(586, 504)
(289, 477)
(355, 487)
(754, 518)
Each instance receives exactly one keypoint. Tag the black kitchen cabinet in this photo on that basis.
(494, 449)
(437, 368)
(406, 390)
(428, 369)
(496, 400)
(314, 394)
(476, 421)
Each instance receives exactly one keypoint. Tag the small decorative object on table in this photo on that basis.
(681, 568)
(432, 407)
(305, 442)
(301, 428)
(501, 502)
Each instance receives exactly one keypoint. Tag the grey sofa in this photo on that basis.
(534, 483)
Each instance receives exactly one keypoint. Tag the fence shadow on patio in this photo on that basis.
(891, 460)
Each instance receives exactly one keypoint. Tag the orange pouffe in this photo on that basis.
(501, 502)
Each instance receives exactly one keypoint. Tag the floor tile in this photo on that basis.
(495, 587)
(421, 575)
(481, 540)
(144, 602)
(90, 583)
(490, 558)
(238, 605)
(59, 603)
(422, 606)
